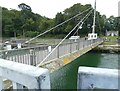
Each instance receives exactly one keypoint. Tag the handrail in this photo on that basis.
(91, 78)
(24, 75)
(34, 55)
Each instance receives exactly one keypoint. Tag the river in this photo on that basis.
(66, 77)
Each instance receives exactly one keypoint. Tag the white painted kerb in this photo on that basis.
(99, 78)
(29, 76)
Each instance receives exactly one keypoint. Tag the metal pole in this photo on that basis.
(93, 31)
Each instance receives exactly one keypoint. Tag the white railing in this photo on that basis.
(34, 55)
(90, 78)
(23, 76)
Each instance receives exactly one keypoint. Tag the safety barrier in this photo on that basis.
(90, 78)
(23, 76)
(34, 55)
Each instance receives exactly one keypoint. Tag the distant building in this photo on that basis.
(112, 33)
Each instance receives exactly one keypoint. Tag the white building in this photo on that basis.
(112, 33)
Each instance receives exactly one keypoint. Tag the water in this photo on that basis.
(66, 77)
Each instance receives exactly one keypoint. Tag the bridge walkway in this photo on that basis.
(35, 55)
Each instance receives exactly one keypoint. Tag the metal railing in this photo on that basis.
(34, 55)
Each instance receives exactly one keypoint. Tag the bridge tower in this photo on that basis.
(93, 35)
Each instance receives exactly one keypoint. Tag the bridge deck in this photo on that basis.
(64, 54)
(55, 64)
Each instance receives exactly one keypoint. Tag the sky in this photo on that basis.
(50, 8)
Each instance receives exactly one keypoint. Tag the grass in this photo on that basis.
(111, 40)
(111, 37)
(109, 43)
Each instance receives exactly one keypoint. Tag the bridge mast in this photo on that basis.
(93, 35)
(93, 28)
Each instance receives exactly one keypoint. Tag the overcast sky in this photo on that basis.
(49, 8)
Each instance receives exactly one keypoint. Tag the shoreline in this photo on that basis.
(107, 49)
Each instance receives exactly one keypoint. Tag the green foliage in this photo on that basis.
(25, 23)
(31, 33)
(24, 7)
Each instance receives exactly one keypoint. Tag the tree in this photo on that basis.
(72, 11)
(26, 12)
(31, 24)
(24, 7)
(59, 19)
(117, 24)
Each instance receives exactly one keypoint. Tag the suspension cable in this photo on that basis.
(83, 22)
(62, 40)
(57, 26)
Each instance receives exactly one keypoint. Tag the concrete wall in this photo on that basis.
(98, 78)
(38, 78)
(23, 75)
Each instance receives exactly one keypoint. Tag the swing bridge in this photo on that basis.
(23, 66)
